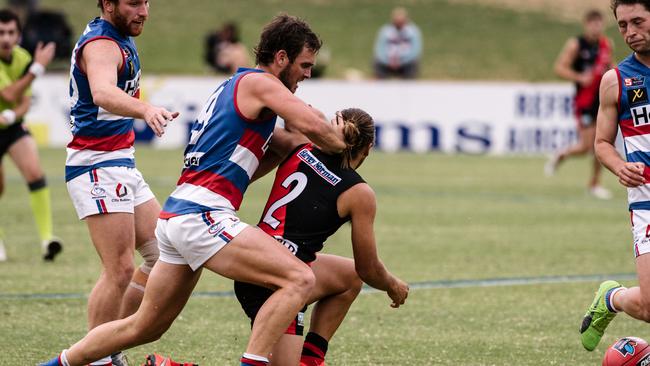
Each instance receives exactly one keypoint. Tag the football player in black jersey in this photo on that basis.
(313, 194)
(584, 60)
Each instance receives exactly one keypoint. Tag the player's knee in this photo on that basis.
(121, 274)
(302, 280)
(144, 332)
(355, 284)
(149, 253)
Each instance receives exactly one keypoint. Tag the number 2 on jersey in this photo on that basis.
(301, 180)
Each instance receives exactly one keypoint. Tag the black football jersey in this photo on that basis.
(301, 210)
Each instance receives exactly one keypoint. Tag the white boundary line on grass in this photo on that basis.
(425, 285)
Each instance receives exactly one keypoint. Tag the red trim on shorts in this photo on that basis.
(101, 202)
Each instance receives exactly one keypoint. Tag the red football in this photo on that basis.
(628, 351)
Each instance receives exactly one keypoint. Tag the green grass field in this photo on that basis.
(461, 41)
(440, 218)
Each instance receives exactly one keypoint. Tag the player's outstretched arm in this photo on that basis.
(43, 55)
(629, 174)
(359, 202)
(101, 60)
(258, 91)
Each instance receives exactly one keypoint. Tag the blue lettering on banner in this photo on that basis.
(405, 135)
(474, 138)
(539, 140)
(543, 105)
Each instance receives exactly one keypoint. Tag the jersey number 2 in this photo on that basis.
(299, 177)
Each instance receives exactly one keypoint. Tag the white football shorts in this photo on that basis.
(641, 231)
(108, 190)
(192, 239)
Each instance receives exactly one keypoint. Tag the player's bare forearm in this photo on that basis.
(116, 101)
(328, 136)
(630, 174)
(16, 90)
(375, 275)
(23, 107)
(608, 156)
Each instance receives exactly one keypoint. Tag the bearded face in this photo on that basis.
(129, 17)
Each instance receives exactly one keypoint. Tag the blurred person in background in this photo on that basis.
(398, 48)
(625, 106)
(584, 60)
(223, 50)
(107, 190)
(306, 206)
(17, 72)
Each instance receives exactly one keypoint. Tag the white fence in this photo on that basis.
(451, 117)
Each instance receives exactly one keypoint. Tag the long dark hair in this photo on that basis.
(358, 132)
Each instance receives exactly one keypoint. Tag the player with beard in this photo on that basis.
(107, 190)
(625, 105)
(198, 227)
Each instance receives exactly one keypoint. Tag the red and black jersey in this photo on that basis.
(594, 57)
(301, 209)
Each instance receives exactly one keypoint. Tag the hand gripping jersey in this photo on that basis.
(223, 153)
(100, 138)
(301, 210)
(595, 58)
(634, 121)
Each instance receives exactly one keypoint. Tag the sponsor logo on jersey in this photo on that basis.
(120, 190)
(637, 96)
(132, 87)
(293, 247)
(640, 115)
(192, 159)
(98, 192)
(625, 347)
(320, 168)
(634, 81)
(300, 319)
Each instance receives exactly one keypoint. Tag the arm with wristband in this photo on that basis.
(14, 92)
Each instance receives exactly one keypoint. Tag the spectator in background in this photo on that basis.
(224, 52)
(584, 60)
(398, 47)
